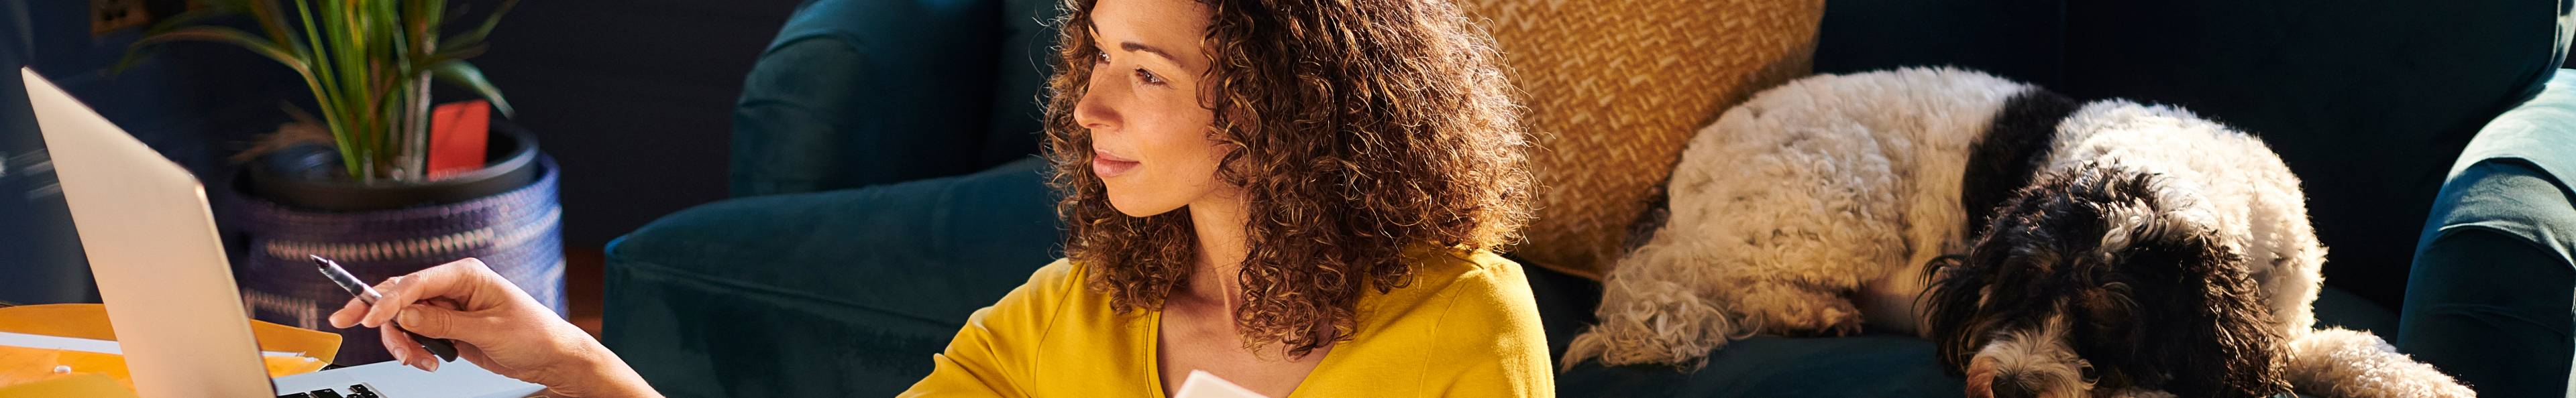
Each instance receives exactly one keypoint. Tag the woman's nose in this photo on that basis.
(1093, 111)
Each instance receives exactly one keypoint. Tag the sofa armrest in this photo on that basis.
(2489, 297)
(838, 293)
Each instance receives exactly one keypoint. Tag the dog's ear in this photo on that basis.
(1953, 308)
(1949, 309)
(2209, 333)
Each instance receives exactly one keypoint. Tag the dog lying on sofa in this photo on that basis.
(2051, 248)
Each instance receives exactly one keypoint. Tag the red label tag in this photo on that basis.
(457, 135)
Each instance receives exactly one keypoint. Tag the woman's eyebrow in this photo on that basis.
(1134, 46)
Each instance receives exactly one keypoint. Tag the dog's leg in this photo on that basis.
(2341, 363)
(1793, 308)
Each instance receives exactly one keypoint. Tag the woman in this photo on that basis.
(1293, 195)
(1297, 196)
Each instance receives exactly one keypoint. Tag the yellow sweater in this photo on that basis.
(1466, 327)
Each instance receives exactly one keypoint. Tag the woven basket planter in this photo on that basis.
(513, 224)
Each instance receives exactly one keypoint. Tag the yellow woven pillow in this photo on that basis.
(1614, 88)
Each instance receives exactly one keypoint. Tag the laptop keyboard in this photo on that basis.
(360, 390)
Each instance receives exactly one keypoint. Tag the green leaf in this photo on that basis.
(456, 53)
(224, 35)
(271, 20)
(475, 37)
(367, 62)
(421, 22)
(185, 19)
(467, 76)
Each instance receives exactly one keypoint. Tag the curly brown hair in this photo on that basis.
(1356, 128)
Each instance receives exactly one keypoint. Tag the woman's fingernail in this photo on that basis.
(402, 355)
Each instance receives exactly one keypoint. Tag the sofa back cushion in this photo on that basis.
(863, 92)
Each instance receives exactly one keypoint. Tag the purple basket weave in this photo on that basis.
(518, 233)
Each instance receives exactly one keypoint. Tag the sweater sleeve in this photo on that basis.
(1490, 334)
(990, 355)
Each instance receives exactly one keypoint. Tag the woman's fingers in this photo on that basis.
(405, 351)
(454, 280)
(349, 314)
(432, 321)
(386, 305)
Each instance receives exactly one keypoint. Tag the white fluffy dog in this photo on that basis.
(2051, 248)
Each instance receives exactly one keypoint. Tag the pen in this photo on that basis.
(445, 350)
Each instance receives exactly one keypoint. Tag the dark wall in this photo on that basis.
(193, 103)
(633, 97)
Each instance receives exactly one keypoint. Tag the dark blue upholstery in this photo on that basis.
(811, 294)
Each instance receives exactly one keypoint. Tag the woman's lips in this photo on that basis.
(1106, 165)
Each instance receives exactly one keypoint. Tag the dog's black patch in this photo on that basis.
(2005, 158)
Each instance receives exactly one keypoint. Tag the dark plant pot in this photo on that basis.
(313, 179)
(506, 214)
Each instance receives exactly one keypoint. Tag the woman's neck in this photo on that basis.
(1218, 220)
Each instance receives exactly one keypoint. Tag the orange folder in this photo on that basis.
(31, 372)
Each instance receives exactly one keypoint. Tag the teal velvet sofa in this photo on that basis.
(885, 185)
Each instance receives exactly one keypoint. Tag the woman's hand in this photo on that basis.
(494, 325)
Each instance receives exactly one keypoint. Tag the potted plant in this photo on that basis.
(355, 184)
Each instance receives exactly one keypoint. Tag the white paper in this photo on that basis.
(1204, 385)
(39, 341)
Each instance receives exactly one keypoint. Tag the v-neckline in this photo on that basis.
(1154, 359)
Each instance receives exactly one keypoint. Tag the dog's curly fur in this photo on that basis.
(2097, 249)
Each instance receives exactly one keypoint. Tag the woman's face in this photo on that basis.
(1150, 130)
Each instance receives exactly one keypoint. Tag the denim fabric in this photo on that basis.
(2489, 298)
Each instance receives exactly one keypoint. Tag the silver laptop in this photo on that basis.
(161, 268)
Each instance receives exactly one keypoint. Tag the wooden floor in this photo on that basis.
(585, 282)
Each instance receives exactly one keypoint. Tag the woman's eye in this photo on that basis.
(1148, 77)
(1100, 58)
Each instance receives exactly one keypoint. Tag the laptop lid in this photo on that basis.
(153, 250)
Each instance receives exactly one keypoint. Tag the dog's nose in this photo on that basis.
(2008, 386)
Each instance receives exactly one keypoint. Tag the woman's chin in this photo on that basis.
(1133, 208)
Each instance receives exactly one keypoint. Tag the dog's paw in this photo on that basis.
(1835, 319)
(1668, 326)
(2337, 362)
(1805, 315)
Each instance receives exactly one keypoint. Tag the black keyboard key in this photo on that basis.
(296, 395)
(361, 391)
(325, 394)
